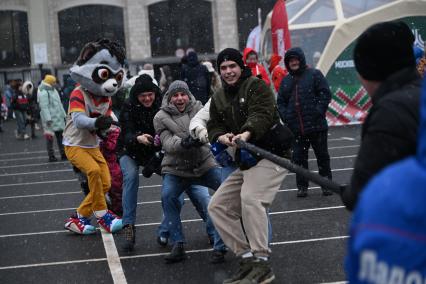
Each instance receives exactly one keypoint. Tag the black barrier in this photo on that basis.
(316, 178)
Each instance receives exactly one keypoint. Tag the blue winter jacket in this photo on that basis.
(303, 97)
(388, 231)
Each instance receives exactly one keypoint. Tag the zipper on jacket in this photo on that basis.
(298, 110)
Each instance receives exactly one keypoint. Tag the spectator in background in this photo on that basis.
(52, 116)
(251, 59)
(216, 82)
(69, 86)
(385, 62)
(9, 91)
(20, 105)
(166, 78)
(303, 100)
(388, 227)
(3, 111)
(277, 72)
(197, 77)
(32, 113)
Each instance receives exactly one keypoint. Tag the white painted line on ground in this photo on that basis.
(44, 157)
(70, 169)
(113, 258)
(145, 202)
(53, 263)
(32, 165)
(272, 244)
(183, 221)
(37, 182)
(40, 195)
(338, 282)
(25, 153)
(36, 173)
(36, 211)
(139, 203)
(162, 254)
(342, 139)
(306, 210)
(342, 147)
(335, 158)
(23, 159)
(309, 240)
(33, 234)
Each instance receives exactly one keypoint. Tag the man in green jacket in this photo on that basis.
(244, 108)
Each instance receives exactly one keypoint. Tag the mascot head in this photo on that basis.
(100, 67)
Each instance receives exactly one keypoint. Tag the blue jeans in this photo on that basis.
(130, 170)
(225, 172)
(173, 187)
(20, 121)
(200, 198)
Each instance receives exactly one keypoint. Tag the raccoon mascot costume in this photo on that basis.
(99, 72)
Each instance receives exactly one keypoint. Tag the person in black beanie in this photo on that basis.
(136, 146)
(386, 66)
(245, 108)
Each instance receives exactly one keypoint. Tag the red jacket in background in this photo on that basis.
(256, 69)
(277, 72)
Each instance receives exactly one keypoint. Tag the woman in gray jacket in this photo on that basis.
(187, 163)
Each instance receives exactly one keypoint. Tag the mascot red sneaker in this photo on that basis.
(99, 72)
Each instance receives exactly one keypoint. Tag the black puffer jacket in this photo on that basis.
(197, 77)
(135, 120)
(303, 97)
(389, 133)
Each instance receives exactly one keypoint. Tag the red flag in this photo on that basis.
(279, 25)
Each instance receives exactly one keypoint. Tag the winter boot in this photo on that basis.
(302, 192)
(246, 266)
(177, 254)
(129, 232)
(326, 191)
(260, 273)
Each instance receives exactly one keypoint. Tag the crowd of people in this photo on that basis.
(187, 131)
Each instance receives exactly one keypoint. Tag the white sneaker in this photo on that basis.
(26, 137)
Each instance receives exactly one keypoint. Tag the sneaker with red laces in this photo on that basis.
(80, 225)
(110, 222)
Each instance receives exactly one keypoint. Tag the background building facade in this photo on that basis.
(39, 36)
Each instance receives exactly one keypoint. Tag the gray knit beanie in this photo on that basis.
(178, 86)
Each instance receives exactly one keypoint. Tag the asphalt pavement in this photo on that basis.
(309, 235)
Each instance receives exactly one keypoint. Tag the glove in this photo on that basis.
(103, 122)
(157, 140)
(190, 142)
(202, 134)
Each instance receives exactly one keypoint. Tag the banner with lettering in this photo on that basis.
(350, 102)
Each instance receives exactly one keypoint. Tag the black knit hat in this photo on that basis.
(143, 84)
(383, 49)
(230, 54)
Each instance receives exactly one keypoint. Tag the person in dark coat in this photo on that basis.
(385, 62)
(303, 100)
(136, 146)
(388, 224)
(197, 77)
